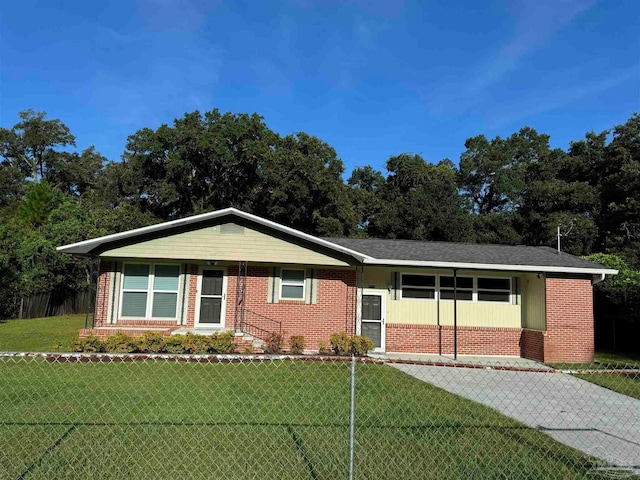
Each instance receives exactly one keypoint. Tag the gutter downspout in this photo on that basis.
(455, 313)
(597, 279)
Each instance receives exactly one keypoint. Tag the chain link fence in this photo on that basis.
(241, 417)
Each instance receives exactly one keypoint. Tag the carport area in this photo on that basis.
(579, 414)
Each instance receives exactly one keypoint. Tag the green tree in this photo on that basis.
(30, 144)
(420, 201)
(364, 184)
(620, 193)
(201, 163)
(302, 186)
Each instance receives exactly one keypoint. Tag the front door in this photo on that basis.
(373, 313)
(211, 298)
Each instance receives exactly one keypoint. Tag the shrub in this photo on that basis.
(296, 344)
(173, 344)
(198, 344)
(90, 344)
(322, 348)
(151, 342)
(360, 345)
(273, 342)
(221, 342)
(340, 343)
(120, 343)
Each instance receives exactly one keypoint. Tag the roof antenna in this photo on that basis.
(560, 235)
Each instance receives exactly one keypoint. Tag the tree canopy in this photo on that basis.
(513, 190)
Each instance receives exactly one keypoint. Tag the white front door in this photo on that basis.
(373, 316)
(211, 298)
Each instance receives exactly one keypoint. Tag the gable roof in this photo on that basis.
(391, 252)
(87, 247)
(469, 255)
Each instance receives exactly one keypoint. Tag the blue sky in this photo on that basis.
(373, 78)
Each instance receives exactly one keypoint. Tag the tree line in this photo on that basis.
(513, 190)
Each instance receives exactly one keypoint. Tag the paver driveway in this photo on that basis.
(579, 414)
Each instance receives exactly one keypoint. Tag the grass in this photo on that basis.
(627, 359)
(626, 383)
(281, 419)
(39, 334)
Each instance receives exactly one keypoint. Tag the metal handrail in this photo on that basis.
(246, 326)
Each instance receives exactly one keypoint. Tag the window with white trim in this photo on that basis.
(418, 286)
(464, 288)
(292, 284)
(492, 289)
(150, 291)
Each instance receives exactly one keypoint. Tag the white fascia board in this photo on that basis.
(87, 245)
(490, 266)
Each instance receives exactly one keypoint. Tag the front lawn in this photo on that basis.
(39, 334)
(625, 383)
(266, 419)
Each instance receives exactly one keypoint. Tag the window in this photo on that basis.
(292, 284)
(150, 291)
(464, 288)
(494, 289)
(419, 286)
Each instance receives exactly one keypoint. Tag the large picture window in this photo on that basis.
(469, 289)
(419, 286)
(292, 284)
(150, 291)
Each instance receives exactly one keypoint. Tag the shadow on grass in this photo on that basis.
(519, 434)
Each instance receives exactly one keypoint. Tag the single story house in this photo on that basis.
(228, 269)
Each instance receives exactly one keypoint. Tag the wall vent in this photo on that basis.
(231, 229)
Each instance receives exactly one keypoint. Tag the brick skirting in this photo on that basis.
(532, 344)
(405, 338)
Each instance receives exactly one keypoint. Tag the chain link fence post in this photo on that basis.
(352, 416)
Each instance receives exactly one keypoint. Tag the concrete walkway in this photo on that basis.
(589, 418)
(485, 361)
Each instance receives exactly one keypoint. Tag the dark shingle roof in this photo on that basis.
(414, 250)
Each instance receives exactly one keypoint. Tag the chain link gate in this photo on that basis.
(113, 416)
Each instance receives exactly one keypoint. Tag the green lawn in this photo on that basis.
(619, 359)
(280, 420)
(625, 383)
(39, 334)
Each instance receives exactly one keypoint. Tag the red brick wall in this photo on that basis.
(569, 316)
(193, 292)
(333, 312)
(532, 344)
(407, 338)
(101, 315)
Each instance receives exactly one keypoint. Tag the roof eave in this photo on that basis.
(490, 266)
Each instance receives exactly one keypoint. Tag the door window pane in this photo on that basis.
(373, 330)
(212, 282)
(210, 310)
(371, 307)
